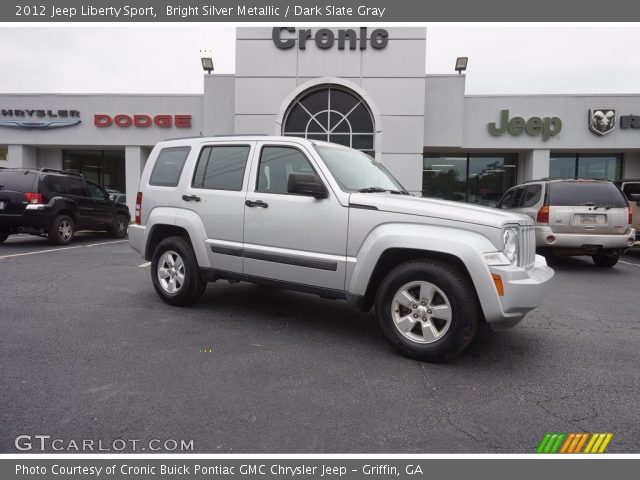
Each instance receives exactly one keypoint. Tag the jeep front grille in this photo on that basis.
(527, 256)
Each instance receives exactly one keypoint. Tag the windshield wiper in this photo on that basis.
(382, 190)
(606, 207)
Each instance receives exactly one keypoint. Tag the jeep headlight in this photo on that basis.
(510, 242)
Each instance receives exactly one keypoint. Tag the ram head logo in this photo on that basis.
(602, 121)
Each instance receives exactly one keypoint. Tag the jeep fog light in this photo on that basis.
(495, 259)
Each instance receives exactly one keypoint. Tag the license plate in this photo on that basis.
(2, 204)
(591, 219)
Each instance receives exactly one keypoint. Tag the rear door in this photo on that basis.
(13, 186)
(587, 207)
(216, 193)
(78, 193)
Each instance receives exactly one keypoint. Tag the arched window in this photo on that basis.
(334, 114)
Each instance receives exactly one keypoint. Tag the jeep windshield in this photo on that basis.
(357, 172)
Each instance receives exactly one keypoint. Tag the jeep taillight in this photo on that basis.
(33, 197)
(138, 208)
(543, 214)
(630, 213)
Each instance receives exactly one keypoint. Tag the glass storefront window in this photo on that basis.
(599, 166)
(445, 177)
(105, 167)
(489, 177)
(474, 178)
(603, 166)
(562, 166)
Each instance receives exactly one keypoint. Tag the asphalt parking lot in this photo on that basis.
(88, 351)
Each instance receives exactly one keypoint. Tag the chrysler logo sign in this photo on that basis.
(36, 124)
(602, 120)
(39, 119)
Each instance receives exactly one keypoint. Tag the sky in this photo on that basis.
(509, 59)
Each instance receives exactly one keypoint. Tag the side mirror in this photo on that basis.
(306, 184)
(634, 197)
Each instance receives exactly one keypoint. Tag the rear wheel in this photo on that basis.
(62, 230)
(605, 261)
(427, 310)
(175, 273)
(120, 226)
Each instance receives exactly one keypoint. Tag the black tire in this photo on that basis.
(58, 233)
(193, 285)
(459, 294)
(3, 236)
(120, 226)
(605, 261)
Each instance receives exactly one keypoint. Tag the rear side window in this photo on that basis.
(17, 181)
(55, 184)
(586, 193)
(531, 195)
(75, 186)
(168, 168)
(631, 189)
(511, 199)
(221, 167)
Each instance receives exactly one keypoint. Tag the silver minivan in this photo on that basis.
(576, 217)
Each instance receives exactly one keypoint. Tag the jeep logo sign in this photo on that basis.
(325, 38)
(547, 127)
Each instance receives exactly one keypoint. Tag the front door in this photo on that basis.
(103, 211)
(292, 238)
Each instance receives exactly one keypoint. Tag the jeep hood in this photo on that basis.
(431, 207)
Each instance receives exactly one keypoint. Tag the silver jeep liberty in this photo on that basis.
(329, 220)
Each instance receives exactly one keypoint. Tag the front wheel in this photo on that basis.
(120, 226)
(175, 273)
(427, 310)
(605, 261)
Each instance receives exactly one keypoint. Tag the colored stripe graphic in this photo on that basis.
(573, 442)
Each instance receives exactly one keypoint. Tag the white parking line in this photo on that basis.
(628, 263)
(145, 264)
(61, 248)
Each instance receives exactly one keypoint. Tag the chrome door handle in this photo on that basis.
(257, 203)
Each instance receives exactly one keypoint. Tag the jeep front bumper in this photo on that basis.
(524, 290)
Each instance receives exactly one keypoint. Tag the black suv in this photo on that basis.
(56, 203)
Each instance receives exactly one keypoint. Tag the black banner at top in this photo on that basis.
(289, 11)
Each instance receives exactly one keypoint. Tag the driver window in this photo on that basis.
(95, 192)
(276, 163)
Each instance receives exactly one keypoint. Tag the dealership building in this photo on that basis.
(365, 88)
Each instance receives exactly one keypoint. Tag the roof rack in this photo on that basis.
(219, 136)
(66, 172)
(553, 179)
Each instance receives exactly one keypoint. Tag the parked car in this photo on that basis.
(576, 217)
(631, 188)
(57, 204)
(329, 220)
